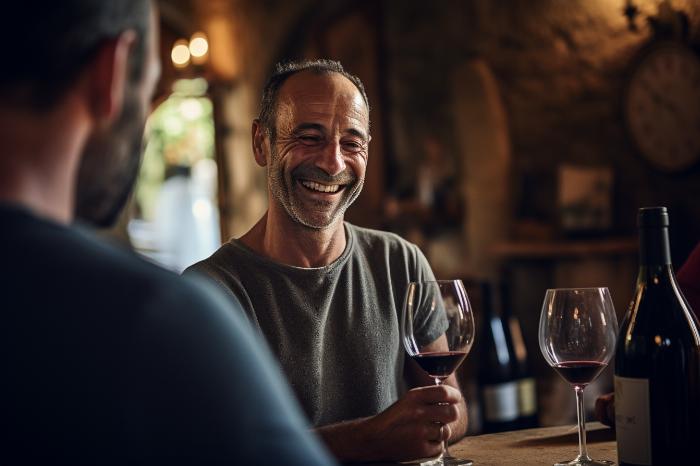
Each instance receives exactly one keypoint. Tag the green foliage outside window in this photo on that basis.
(179, 132)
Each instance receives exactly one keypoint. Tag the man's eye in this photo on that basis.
(309, 139)
(353, 146)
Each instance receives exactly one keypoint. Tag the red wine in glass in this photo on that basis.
(439, 364)
(577, 335)
(579, 372)
(438, 332)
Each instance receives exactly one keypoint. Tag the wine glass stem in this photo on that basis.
(581, 415)
(445, 452)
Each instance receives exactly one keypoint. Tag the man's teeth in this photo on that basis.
(324, 188)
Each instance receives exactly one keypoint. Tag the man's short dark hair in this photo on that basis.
(54, 40)
(283, 71)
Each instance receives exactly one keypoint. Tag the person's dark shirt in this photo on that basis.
(107, 359)
(689, 279)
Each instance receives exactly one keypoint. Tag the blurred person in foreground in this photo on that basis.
(688, 277)
(108, 359)
(327, 295)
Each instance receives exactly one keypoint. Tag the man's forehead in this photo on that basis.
(312, 92)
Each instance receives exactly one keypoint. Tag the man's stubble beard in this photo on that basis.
(110, 166)
(282, 186)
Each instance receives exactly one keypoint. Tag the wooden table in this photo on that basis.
(543, 447)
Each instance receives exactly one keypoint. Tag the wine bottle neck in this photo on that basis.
(654, 248)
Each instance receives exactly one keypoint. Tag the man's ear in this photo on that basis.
(108, 76)
(258, 136)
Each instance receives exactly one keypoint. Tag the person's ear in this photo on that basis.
(108, 76)
(258, 136)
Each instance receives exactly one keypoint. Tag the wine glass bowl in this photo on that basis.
(438, 332)
(577, 336)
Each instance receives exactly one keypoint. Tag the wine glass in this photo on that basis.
(438, 332)
(578, 329)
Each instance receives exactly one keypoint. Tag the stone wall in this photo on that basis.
(562, 68)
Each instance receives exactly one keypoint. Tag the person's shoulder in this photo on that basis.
(89, 269)
(371, 238)
(379, 251)
(225, 269)
(104, 264)
(689, 272)
(104, 258)
(76, 251)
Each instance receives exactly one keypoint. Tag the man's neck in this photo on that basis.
(45, 196)
(283, 240)
(39, 161)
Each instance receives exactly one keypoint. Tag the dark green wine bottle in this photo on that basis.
(527, 395)
(657, 364)
(498, 382)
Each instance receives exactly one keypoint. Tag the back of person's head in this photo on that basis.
(80, 64)
(52, 41)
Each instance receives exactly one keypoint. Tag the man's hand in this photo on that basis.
(413, 427)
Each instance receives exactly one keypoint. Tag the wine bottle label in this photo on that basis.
(632, 426)
(527, 401)
(501, 402)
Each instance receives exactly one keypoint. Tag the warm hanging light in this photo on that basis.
(180, 54)
(199, 46)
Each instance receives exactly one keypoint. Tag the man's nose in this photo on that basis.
(331, 159)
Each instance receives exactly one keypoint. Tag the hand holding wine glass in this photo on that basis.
(577, 335)
(438, 332)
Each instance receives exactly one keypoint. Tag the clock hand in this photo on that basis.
(662, 101)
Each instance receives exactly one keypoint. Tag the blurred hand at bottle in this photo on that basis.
(605, 409)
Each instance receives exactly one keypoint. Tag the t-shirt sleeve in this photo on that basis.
(208, 392)
(423, 270)
(429, 317)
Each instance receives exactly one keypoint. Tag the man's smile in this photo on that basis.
(319, 187)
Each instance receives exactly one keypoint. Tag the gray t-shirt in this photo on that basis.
(335, 329)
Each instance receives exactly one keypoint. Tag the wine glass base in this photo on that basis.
(448, 461)
(585, 463)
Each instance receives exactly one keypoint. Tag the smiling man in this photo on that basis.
(326, 294)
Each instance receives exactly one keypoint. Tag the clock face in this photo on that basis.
(662, 107)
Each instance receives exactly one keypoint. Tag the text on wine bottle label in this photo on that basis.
(527, 400)
(632, 425)
(501, 402)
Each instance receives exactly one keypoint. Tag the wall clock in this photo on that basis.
(662, 106)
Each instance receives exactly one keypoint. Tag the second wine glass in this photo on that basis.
(438, 332)
(578, 330)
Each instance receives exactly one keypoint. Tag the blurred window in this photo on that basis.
(176, 217)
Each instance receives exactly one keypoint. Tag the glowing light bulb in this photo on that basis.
(199, 46)
(180, 55)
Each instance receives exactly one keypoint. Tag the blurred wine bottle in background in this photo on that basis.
(527, 396)
(498, 384)
(657, 364)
